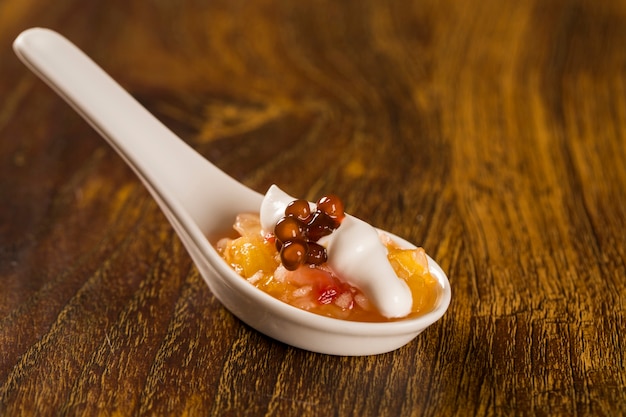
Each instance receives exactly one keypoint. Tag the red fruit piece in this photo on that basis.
(327, 295)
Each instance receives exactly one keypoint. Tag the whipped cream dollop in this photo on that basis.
(355, 254)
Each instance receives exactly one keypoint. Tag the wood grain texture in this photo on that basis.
(492, 133)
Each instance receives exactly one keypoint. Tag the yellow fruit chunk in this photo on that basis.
(412, 266)
(250, 253)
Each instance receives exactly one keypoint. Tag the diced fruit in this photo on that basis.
(248, 255)
(248, 224)
(408, 262)
(412, 266)
(311, 285)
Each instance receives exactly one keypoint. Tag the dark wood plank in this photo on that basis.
(491, 133)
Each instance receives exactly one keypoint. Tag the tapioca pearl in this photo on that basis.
(293, 254)
(289, 228)
(316, 254)
(320, 225)
(299, 209)
(332, 206)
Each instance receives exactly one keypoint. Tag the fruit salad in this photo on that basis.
(316, 258)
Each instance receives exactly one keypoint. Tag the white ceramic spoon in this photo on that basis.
(200, 200)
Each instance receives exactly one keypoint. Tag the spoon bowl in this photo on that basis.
(201, 201)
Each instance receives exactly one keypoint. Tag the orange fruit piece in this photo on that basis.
(412, 266)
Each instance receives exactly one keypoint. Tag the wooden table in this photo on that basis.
(492, 133)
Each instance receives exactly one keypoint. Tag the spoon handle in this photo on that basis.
(171, 170)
